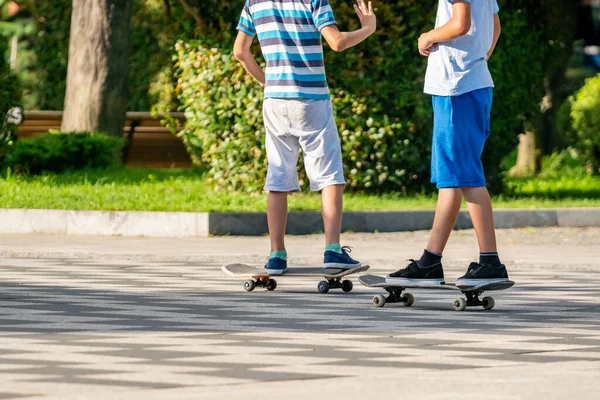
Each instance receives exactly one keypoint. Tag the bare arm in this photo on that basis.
(340, 41)
(497, 31)
(242, 53)
(459, 25)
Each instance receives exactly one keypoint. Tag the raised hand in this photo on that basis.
(366, 15)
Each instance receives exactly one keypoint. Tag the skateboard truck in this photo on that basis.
(473, 301)
(260, 281)
(335, 283)
(395, 296)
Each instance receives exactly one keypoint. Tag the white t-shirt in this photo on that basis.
(460, 65)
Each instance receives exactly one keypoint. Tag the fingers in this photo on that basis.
(362, 6)
(370, 8)
(358, 11)
(424, 51)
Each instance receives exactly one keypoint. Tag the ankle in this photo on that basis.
(429, 258)
(334, 247)
(490, 258)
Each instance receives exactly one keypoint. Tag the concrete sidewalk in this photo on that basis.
(128, 318)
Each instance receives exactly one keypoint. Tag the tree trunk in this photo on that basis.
(527, 156)
(97, 88)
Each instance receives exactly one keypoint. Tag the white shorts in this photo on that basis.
(294, 124)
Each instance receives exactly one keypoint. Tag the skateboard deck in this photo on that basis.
(472, 293)
(258, 277)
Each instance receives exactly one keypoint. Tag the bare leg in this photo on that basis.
(446, 213)
(480, 209)
(277, 217)
(332, 198)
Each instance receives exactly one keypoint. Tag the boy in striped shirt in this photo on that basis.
(297, 110)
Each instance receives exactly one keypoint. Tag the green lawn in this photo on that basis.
(184, 190)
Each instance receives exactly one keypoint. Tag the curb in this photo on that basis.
(182, 224)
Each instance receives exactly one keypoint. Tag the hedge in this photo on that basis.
(58, 152)
(579, 123)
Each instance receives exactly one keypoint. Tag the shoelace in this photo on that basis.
(475, 268)
(413, 262)
(347, 249)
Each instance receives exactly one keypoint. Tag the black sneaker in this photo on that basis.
(415, 275)
(480, 274)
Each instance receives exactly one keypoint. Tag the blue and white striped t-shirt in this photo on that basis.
(290, 39)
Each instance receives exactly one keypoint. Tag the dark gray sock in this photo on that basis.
(490, 258)
(429, 258)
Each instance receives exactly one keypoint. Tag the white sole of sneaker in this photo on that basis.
(341, 266)
(275, 271)
(477, 282)
(414, 282)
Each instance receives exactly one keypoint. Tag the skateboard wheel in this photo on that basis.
(408, 299)
(379, 300)
(488, 303)
(323, 287)
(347, 286)
(460, 304)
(271, 285)
(249, 285)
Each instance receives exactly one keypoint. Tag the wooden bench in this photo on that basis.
(149, 143)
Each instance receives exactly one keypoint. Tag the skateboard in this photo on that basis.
(260, 278)
(407, 299)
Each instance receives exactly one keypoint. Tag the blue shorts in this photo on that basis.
(461, 125)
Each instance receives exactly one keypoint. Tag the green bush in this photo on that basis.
(383, 116)
(567, 163)
(58, 152)
(223, 106)
(379, 154)
(579, 123)
(224, 129)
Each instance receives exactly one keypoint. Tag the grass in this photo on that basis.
(556, 188)
(185, 190)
